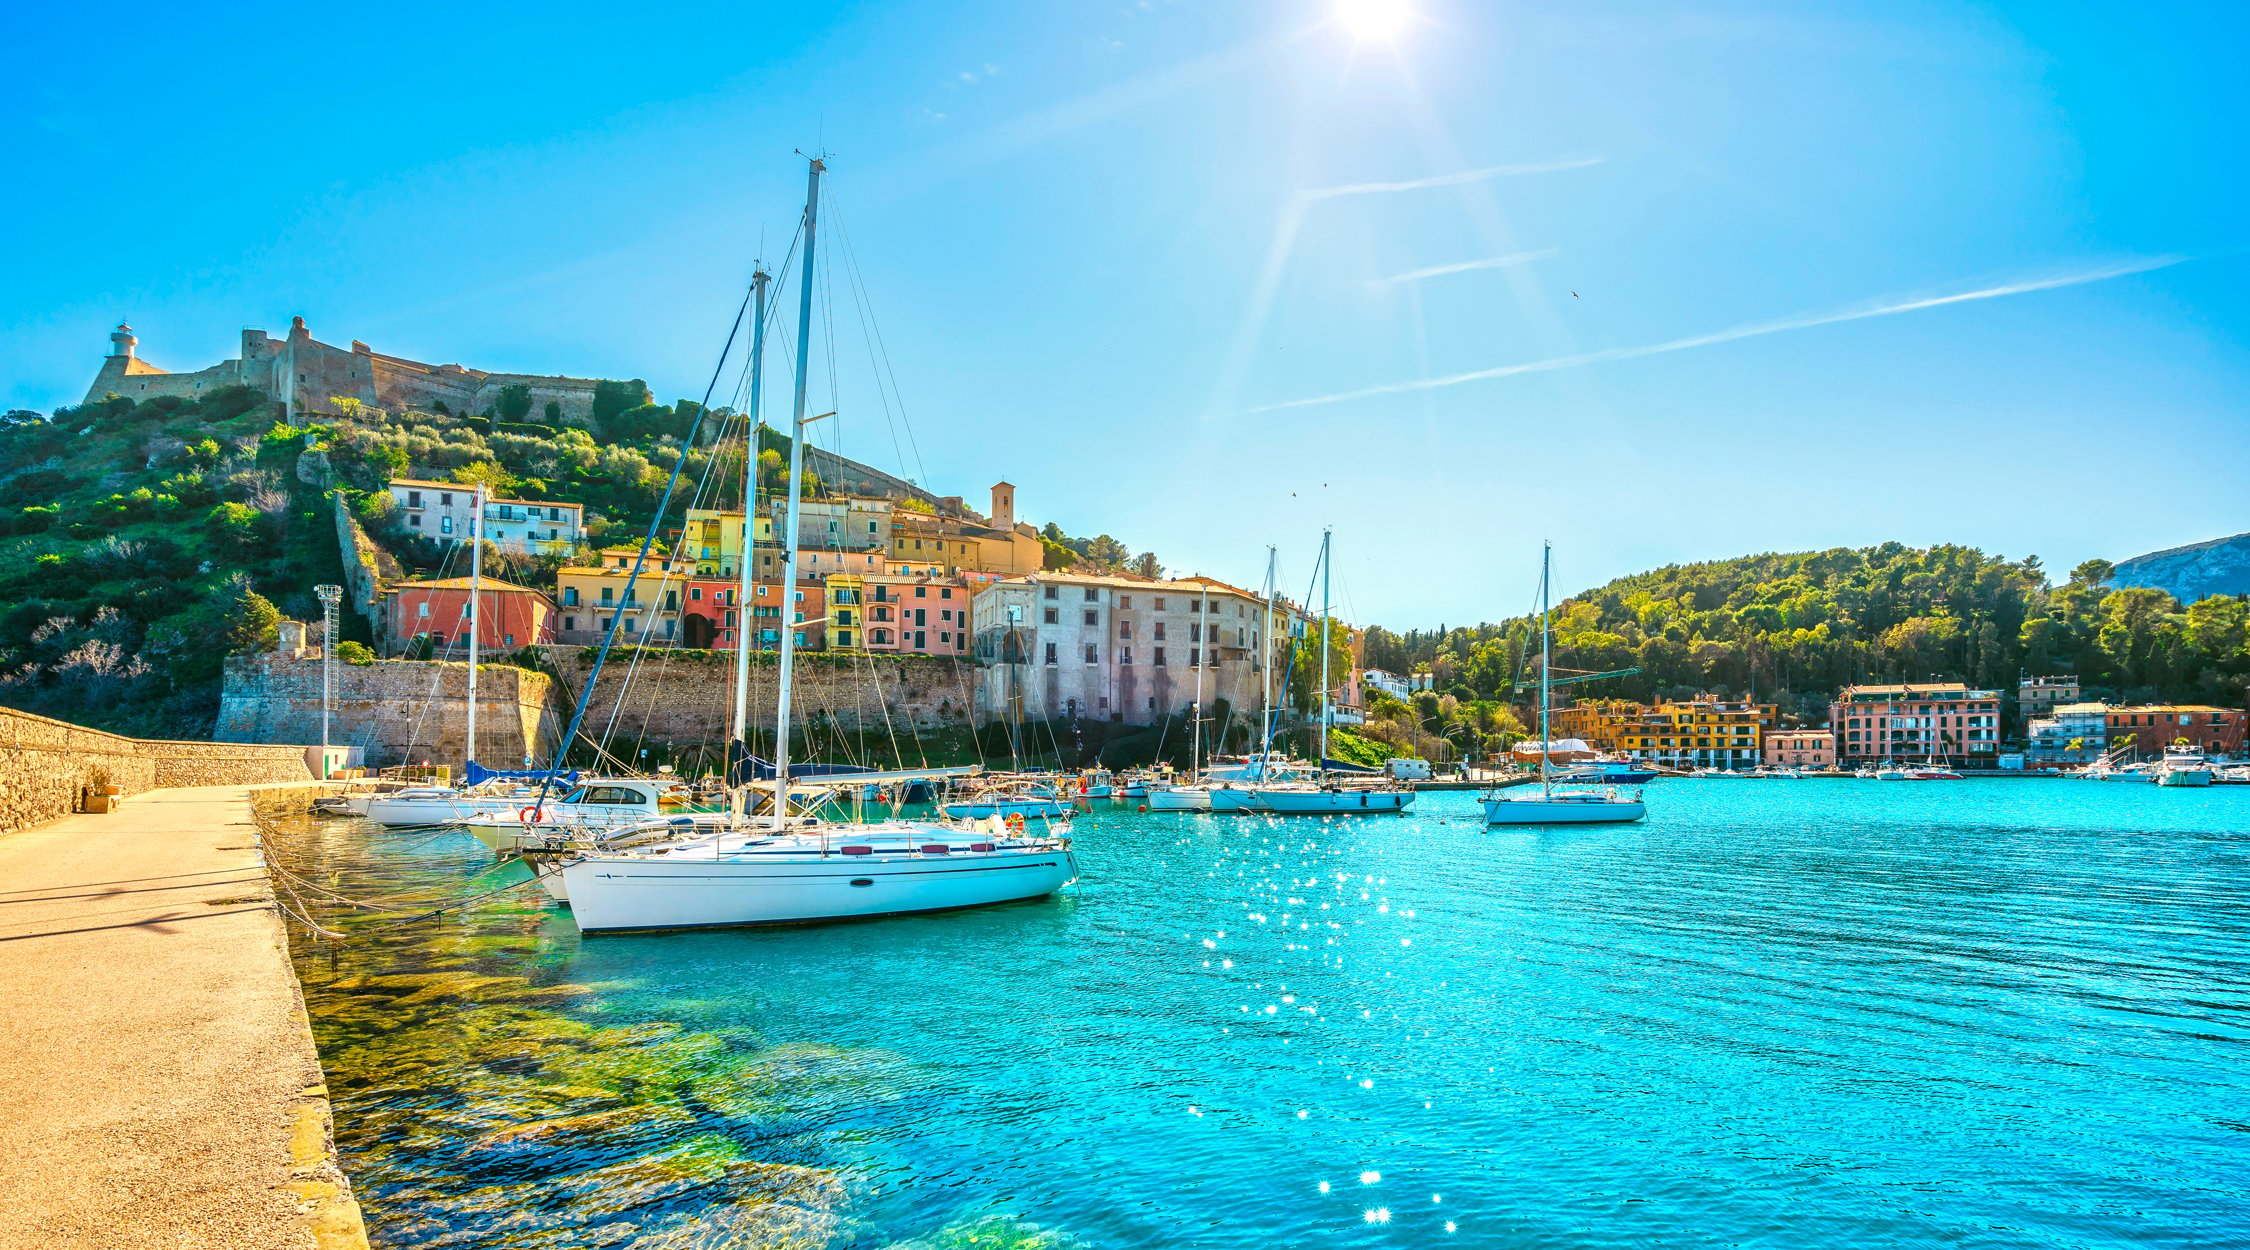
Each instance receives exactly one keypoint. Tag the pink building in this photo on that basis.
(1800, 748)
(916, 615)
(1941, 722)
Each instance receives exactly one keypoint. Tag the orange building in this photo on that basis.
(511, 616)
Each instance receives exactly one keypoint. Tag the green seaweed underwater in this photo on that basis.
(482, 1100)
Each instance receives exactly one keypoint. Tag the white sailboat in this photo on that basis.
(1550, 806)
(1325, 795)
(1192, 795)
(795, 869)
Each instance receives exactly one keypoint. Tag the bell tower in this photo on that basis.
(1003, 506)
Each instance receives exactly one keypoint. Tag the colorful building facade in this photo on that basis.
(1938, 722)
(511, 616)
(1813, 749)
(2148, 730)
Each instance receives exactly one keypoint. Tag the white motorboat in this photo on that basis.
(1894, 772)
(2183, 766)
(439, 805)
(1521, 805)
(807, 874)
(1181, 798)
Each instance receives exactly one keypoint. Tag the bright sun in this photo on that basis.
(1373, 21)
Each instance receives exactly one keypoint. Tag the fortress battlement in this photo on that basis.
(304, 374)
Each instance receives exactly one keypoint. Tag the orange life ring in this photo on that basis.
(531, 815)
(1015, 821)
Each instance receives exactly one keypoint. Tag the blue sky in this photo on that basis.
(1662, 282)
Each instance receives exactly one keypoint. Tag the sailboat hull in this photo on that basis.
(1229, 799)
(1560, 811)
(1331, 802)
(627, 893)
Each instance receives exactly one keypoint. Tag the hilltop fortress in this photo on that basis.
(305, 374)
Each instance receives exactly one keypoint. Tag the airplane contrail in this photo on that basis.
(1465, 266)
(1804, 321)
(1453, 179)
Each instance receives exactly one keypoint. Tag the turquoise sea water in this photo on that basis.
(1985, 1013)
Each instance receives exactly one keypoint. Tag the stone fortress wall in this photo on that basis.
(304, 374)
(395, 711)
(47, 765)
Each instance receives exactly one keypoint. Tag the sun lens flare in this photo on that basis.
(1373, 21)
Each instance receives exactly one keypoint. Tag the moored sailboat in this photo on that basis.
(791, 868)
(1550, 806)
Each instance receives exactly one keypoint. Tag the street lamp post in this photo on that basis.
(330, 596)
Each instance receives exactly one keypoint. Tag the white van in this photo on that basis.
(1407, 770)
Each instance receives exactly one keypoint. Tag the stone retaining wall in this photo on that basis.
(46, 766)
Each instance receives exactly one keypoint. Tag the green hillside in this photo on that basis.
(1796, 626)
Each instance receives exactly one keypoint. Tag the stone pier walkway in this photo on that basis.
(158, 1084)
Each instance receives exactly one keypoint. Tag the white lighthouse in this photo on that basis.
(122, 342)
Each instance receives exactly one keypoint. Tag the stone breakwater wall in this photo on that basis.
(47, 766)
(683, 699)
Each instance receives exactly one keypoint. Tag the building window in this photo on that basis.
(1125, 655)
(570, 622)
(1051, 592)
(694, 594)
(1093, 595)
(1053, 617)
(445, 525)
(1160, 631)
(1093, 617)
(1091, 657)
(422, 609)
(1125, 601)
(1051, 653)
(1160, 603)
(1195, 656)
(945, 592)
(921, 641)
(1124, 629)
(1158, 659)
(921, 592)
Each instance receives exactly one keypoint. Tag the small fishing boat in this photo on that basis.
(1932, 772)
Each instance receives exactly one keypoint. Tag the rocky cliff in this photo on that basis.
(2218, 567)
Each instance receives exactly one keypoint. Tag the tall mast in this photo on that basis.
(796, 495)
(739, 729)
(1265, 695)
(1546, 739)
(1195, 710)
(476, 610)
(1324, 571)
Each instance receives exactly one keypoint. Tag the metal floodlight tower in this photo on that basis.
(330, 596)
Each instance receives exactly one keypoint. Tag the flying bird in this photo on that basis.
(1574, 295)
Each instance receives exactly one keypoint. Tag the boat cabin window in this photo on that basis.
(611, 794)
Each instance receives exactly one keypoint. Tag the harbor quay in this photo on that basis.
(162, 1087)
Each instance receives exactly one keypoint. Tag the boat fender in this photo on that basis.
(681, 822)
(1144, 807)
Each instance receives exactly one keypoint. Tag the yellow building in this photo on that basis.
(846, 593)
(1697, 733)
(587, 599)
(713, 539)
